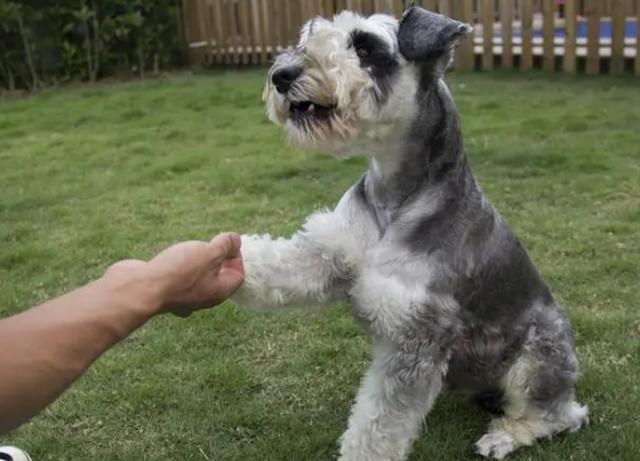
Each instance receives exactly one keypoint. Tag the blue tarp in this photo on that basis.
(605, 29)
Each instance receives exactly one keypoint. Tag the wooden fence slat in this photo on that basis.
(218, 31)
(232, 44)
(289, 27)
(285, 13)
(488, 17)
(369, 7)
(245, 33)
(201, 51)
(258, 42)
(266, 29)
(527, 35)
(208, 31)
(455, 9)
(630, 9)
(398, 8)
(548, 32)
(239, 32)
(617, 37)
(227, 42)
(327, 8)
(637, 66)
(506, 18)
(315, 8)
(465, 58)
(285, 23)
(592, 10)
(569, 58)
(187, 15)
(444, 7)
(276, 21)
(269, 13)
(254, 33)
(296, 22)
(430, 5)
(222, 30)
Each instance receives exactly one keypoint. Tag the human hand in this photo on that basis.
(189, 275)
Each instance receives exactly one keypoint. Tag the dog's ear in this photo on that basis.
(429, 38)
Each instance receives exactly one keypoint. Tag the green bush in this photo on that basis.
(44, 42)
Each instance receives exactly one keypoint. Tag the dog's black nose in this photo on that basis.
(284, 78)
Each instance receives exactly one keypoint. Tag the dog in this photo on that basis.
(431, 271)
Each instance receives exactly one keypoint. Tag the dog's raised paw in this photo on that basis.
(495, 444)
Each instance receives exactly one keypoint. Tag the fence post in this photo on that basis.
(569, 59)
(506, 18)
(527, 35)
(592, 10)
(617, 37)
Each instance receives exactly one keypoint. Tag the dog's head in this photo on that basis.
(352, 81)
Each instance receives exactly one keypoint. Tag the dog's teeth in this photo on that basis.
(311, 107)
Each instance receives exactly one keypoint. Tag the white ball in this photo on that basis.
(13, 454)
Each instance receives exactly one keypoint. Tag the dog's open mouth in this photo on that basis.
(309, 110)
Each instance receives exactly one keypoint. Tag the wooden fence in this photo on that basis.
(592, 36)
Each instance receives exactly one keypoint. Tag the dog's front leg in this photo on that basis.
(280, 272)
(396, 394)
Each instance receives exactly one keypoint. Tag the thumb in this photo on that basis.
(225, 246)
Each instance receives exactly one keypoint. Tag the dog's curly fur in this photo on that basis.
(432, 272)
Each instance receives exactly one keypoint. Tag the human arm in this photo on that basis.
(44, 349)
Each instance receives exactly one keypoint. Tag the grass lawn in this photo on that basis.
(92, 175)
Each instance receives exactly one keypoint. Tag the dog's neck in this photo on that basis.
(430, 155)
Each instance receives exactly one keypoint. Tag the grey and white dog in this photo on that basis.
(433, 274)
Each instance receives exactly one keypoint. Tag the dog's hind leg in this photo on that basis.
(538, 392)
(396, 394)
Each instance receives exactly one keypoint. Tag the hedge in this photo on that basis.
(44, 42)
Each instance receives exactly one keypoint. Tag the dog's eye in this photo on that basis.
(362, 52)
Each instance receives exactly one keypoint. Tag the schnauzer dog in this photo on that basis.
(433, 274)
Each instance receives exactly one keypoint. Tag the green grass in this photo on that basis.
(92, 175)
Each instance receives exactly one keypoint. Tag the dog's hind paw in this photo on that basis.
(495, 444)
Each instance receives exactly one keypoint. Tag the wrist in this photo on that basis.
(137, 289)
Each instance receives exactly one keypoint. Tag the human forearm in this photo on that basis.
(43, 350)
